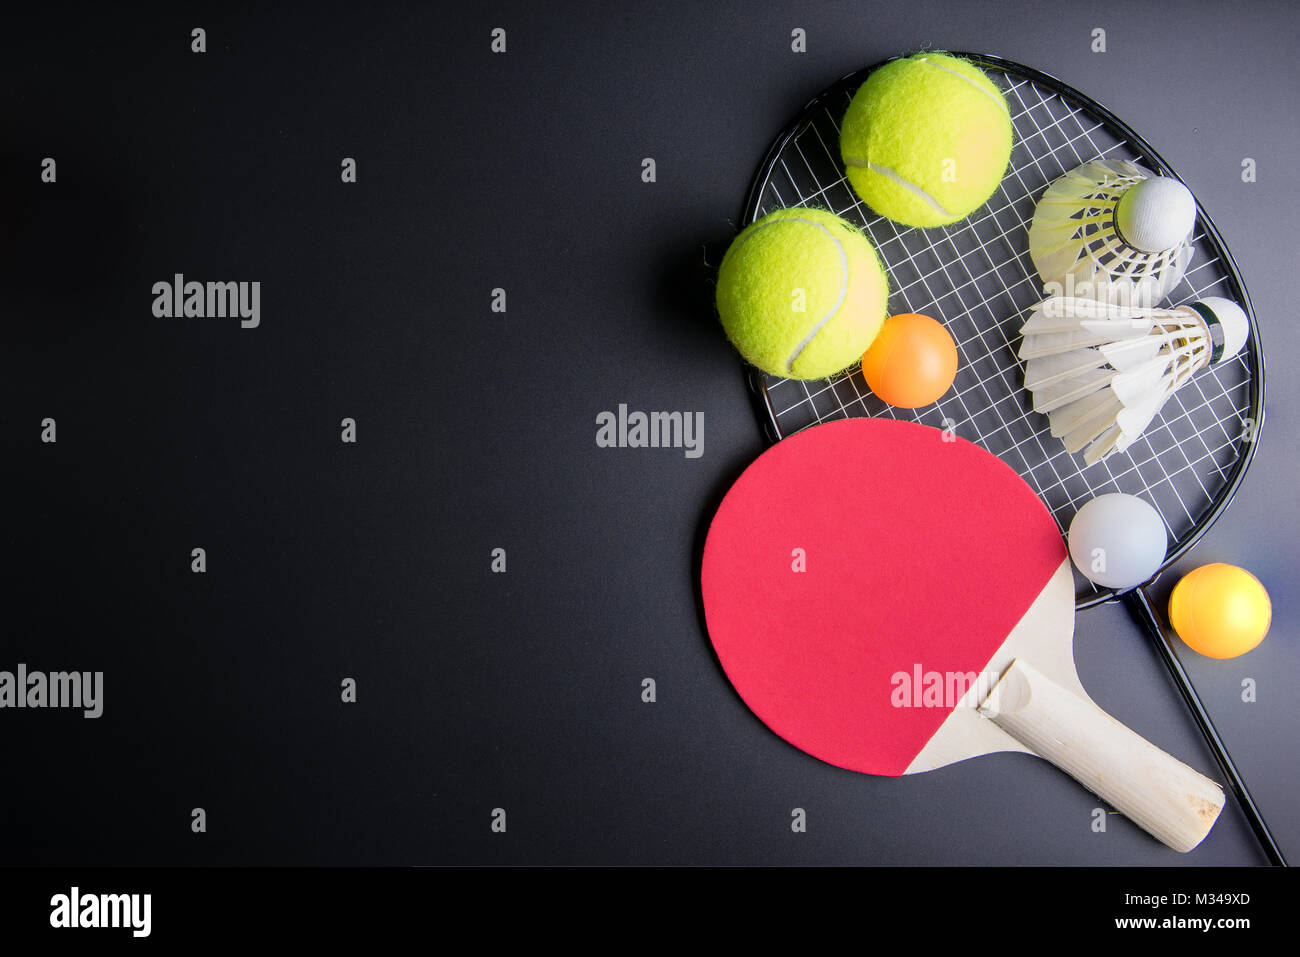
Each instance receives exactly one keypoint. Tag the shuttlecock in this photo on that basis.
(1114, 231)
(1101, 371)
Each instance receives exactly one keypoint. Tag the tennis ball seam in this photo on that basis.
(844, 283)
(795, 337)
(1001, 101)
(906, 184)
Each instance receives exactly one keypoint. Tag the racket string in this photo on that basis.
(978, 279)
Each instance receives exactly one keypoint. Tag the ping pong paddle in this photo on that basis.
(891, 599)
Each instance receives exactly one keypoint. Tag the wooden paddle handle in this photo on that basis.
(1153, 789)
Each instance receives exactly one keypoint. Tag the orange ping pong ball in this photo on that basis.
(1220, 610)
(912, 361)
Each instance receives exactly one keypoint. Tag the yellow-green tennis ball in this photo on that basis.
(801, 293)
(926, 140)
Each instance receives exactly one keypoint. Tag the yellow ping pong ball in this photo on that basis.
(1220, 610)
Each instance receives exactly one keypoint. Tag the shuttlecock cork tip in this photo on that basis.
(1155, 214)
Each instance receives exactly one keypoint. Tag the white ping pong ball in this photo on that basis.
(1117, 540)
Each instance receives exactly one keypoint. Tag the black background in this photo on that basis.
(477, 431)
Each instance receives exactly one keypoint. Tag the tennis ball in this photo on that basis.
(801, 293)
(1219, 610)
(926, 139)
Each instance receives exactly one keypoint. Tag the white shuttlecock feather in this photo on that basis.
(1101, 372)
(1109, 224)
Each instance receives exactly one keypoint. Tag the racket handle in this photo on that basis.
(1155, 790)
